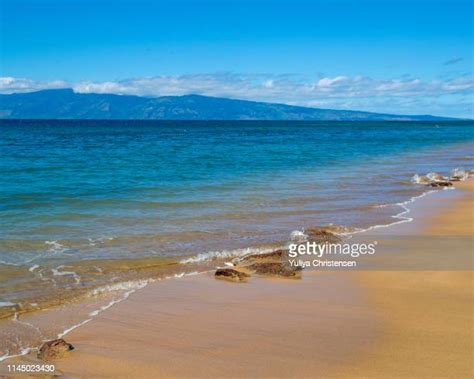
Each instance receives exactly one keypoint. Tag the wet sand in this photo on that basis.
(427, 316)
(387, 323)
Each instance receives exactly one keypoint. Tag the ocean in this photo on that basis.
(95, 207)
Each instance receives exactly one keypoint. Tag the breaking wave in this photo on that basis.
(212, 255)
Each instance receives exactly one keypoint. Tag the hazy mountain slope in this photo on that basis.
(66, 104)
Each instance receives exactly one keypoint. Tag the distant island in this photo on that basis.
(67, 104)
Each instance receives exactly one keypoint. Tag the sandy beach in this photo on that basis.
(427, 316)
(370, 323)
(237, 189)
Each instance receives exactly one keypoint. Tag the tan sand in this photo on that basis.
(382, 324)
(203, 327)
(428, 316)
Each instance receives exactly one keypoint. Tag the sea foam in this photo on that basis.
(212, 255)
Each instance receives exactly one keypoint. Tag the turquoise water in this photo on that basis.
(76, 190)
(91, 210)
(179, 188)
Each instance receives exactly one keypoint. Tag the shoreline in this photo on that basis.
(258, 283)
(203, 263)
(67, 279)
(158, 268)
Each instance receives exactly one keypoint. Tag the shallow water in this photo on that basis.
(87, 203)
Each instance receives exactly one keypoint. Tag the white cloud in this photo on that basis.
(332, 82)
(409, 95)
(11, 85)
(268, 83)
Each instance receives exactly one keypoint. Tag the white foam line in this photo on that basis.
(33, 268)
(401, 219)
(92, 314)
(56, 272)
(56, 247)
(124, 297)
(116, 301)
(95, 241)
(299, 235)
(23, 352)
(113, 302)
(101, 309)
(120, 286)
(402, 216)
(225, 254)
(183, 274)
(6, 356)
(8, 263)
(6, 304)
(61, 335)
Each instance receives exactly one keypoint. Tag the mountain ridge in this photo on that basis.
(67, 104)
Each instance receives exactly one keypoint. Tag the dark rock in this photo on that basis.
(231, 274)
(273, 255)
(322, 234)
(54, 349)
(441, 184)
(276, 269)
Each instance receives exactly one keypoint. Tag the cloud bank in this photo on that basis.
(449, 96)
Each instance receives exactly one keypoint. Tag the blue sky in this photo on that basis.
(387, 56)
